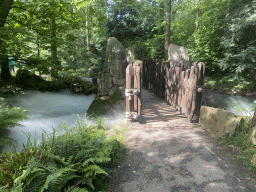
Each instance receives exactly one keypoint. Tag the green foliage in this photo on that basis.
(241, 143)
(12, 165)
(9, 117)
(238, 41)
(84, 153)
(203, 43)
(230, 83)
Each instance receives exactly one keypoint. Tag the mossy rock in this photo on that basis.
(130, 54)
(111, 75)
(100, 107)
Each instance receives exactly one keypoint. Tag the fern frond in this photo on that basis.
(84, 154)
(59, 178)
(93, 170)
(77, 189)
(97, 160)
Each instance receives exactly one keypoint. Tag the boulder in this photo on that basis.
(130, 54)
(111, 76)
(178, 53)
(253, 136)
(253, 160)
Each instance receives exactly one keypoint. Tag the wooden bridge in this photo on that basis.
(163, 83)
(166, 150)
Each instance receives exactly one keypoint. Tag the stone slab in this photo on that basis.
(218, 121)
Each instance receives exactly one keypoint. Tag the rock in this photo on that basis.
(122, 90)
(130, 54)
(178, 53)
(218, 121)
(111, 76)
(253, 161)
(105, 98)
(253, 136)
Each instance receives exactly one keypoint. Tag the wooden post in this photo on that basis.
(129, 99)
(199, 93)
(182, 91)
(138, 86)
(136, 79)
(193, 90)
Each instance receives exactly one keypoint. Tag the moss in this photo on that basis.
(99, 107)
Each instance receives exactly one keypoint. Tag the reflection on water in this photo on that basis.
(48, 110)
(235, 104)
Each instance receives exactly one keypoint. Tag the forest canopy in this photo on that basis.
(72, 34)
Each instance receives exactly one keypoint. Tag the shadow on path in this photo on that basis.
(167, 153)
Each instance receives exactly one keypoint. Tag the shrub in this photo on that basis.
(9, 118)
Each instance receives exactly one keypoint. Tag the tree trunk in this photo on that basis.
(197, 15)
(38, 45)
(5, 72)
(54, 56)
(167, 30)
(5, 6)
(161, 11)
(87, 31)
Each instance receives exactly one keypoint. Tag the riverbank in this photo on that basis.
(230, 86)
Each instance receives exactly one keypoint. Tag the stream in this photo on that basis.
(49, 109)
(236, 104)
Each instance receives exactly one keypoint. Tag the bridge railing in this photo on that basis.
(181, 86)
(133, 92)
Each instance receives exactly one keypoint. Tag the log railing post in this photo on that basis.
(137, 85)
(129, 96)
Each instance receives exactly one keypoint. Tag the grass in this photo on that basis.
(229, 83)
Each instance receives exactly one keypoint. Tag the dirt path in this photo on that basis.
(167, 153)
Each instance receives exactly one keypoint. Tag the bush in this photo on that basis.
(9, 118)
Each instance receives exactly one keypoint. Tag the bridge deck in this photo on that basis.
(167, 153)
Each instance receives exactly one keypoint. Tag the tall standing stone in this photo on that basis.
(178, 53)
(111, 76)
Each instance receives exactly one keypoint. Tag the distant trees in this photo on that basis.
(239, 39)
(74, 32)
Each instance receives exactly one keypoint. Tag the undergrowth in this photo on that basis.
(241, 143)
(79, 160)
(229, 83)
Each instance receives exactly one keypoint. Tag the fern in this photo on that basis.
(58, 179)
(77, 189)
(97, 160)
(17, 188)
(39, 177)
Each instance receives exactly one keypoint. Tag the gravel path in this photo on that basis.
(167, 153)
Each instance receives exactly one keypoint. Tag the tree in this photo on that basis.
(239, 40)
(167, 31)
(5, 6)
(197, 15)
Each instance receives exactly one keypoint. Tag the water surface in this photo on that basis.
(48, 110)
